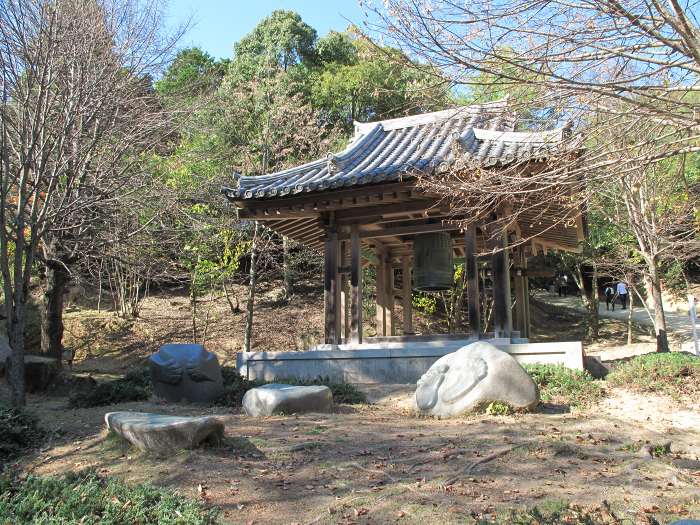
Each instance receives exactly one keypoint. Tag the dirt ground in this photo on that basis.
(376, 463)
(381, 464)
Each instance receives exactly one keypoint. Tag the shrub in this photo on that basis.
(556, 513)
(673, 373)
(235, 387)
(19, 431)
(497, 408)
(88, 499)
(343, 393)
(134, 386)
(561, 384)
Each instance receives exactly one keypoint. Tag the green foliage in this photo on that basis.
(552, 513)
(236, 386)
(373, 83)
(560, 384)
(343, 393)
(135, 386)
(193, 72)
(281, 40)
(424, 303)
(88, 499)
(497, 408)
(673, 373)
(674, 279)
(19, 431)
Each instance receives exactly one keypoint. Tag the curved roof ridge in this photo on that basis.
(427, 118)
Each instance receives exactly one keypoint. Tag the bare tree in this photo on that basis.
(77, 112)
(623, 73)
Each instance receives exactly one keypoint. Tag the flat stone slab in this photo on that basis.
(277, 398)
(474, 375)
(164, 434)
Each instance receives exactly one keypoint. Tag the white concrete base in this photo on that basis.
(389, 362)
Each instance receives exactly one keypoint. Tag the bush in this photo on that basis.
(235, 387)
(343, 393)
(497, 408)
(88, 499)
(134, 386)
(673, 373)
(19, 431)
(563, 385)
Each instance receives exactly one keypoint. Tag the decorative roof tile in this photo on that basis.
(393, 149)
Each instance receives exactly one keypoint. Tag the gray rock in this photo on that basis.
(164, 434)
(186, 372)
(287, 399)
(686, 522)
(473, 375)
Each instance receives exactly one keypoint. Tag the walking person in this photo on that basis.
(622, 292)
(609, 296)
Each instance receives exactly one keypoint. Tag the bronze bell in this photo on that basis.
(432, 262)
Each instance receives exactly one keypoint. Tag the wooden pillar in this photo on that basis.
(407, 296)
(526, 287)
(338, 290)
(344, 293)
(381, 291)
(330, 288)
(472, 269)
(500, 276)
(519, 286)
(390, 326)
(356, 284)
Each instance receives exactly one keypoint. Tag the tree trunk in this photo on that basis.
(589, 298)
(57, 278)
(252, 280)
(629, 316)
(15, 363)
(659, 316)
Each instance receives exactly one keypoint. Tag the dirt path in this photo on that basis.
(380, 464)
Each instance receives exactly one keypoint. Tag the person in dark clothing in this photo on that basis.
(609, 297)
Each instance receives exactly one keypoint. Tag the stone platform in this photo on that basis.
(391, 361)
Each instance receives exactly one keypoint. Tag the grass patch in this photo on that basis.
(673, 373)
(19, 432)
(88, 499)
(134, 386)
(343, 393)
(554, 513)
(560, 384)
(496, 408)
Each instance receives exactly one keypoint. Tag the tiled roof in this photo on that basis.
(393, 149)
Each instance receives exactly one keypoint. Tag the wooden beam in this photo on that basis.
(328, 199)
(384, 210)
(404, 230)
(407, 295)
(344, 293)
(472, 269)
(356, 285)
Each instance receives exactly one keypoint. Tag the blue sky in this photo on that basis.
(216, 25)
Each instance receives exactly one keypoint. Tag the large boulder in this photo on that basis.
(164, 434)
(473, 375)
(186, 372)
(287, 399)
